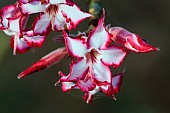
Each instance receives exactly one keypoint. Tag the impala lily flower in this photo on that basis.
(17, 42)
(130, 40)
(21, 40)
(94, 56)
(13, 23)
(55, 14)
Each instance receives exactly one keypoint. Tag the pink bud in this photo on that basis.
(45, 62)
(130, 40)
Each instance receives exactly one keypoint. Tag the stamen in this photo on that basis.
(52, 9)
(92, 55)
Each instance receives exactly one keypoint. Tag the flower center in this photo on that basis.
(52, 9)
(92, 55)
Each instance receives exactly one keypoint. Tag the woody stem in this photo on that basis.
(95, 8)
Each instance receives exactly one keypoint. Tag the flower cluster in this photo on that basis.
(54, 15)
(94, 53)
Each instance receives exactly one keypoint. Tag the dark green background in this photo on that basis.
(145, 88)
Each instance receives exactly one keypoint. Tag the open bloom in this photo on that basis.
(94, 55)
(130, 40)
(90, 72)
(21, 40)
(17, 41)
(13, 23)
(55, 14)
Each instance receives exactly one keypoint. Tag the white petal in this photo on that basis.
(102, 73)
(57, 1)
(112, 56)
(17, 24)
(99, 37)
(43, 25)
(76, 46)
(73, 14)
(33, 7)
(14, 24)
(78, 70)
(67, 86)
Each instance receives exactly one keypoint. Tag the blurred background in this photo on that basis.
(145, 88)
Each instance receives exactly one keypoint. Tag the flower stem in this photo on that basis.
(96, 9)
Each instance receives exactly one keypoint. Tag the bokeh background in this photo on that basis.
(145, 88)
